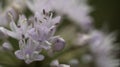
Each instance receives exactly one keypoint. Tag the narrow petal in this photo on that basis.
(19, 54)
(14, 14)
(23, 23)
(13, 25)
(52, 31)
(46, 45)
(56, 20)
(10, 33)
(38, 16)
(21, 19)
(33, 34)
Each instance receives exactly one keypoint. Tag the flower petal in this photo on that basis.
(52, 31)
(53, 22)
(10, 33)
(13, 26)
(19, 54)
(23, 23)
(56, 20)
(59, 44)
(46, 45)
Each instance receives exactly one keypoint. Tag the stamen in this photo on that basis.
(50, 14)
(56, 24)
(36, 19)
(44, 11)
(18, 26)
(23, 36)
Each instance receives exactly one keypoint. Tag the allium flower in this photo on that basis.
(76, 10)
(101, 46)
(17, 30)
(35, 35)
(44, 29)
(29, 51)
(55, 63)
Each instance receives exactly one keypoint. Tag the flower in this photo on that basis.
(29, 51)
(44, 29)
(76, 10)
(18, 30)
(35, 34)
(101, 46)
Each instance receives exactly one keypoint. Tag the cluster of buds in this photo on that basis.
(35, 35)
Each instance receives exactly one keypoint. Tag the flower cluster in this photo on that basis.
(71, 8)
(34, 35)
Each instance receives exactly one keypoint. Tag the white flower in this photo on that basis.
(101, 45)
(17, 30)
(74, 9)
(35, 35)
(29, 51)
(44, 29)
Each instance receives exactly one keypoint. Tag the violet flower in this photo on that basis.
(76, 10)
(17, 30)
(29, 51)
(35, 35)
(44, 29)
(101, 46)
